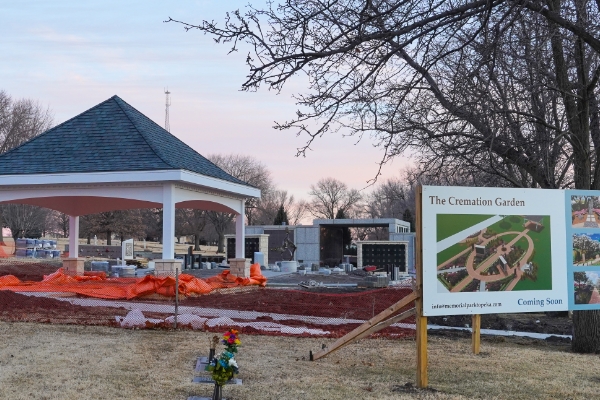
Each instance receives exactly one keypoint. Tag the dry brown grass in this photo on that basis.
(77, 362)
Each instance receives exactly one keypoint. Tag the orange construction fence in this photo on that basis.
(99, 286)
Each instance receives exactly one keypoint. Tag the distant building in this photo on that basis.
(323, 241)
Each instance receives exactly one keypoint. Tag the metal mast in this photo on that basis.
(167, 105)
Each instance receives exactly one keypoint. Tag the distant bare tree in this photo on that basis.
(194, 222)
(330, 196)
(21, 120)
(271, 202)
(249, 170)
(24, 220)
(106, 224)
(59, 222)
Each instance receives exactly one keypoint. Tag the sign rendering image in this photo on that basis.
(493, 253)
(496, 250)
(585, 287)
(585, 211)
(583, 244)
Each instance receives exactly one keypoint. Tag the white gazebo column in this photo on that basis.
(168, 222)
(240, 232)
(73, 265)
(73, 236)
(168, 264)
(240, 266)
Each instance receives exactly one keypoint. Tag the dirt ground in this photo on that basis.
(358, 304)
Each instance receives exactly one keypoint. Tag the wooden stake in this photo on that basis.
(476, 332)
(422, 378)
(386, 323)
(351, 336)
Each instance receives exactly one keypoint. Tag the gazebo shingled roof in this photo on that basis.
(111, 136)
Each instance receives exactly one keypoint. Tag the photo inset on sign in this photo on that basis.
(493, 253)
(586, 249)
(585, 211)
(586, 287)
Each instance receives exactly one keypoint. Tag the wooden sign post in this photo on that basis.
(421, 334)
(476, 332)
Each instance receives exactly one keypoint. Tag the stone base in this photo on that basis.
(73, 266)
(240, 267)
(167, 267)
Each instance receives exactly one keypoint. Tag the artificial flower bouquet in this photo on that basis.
(224, 367)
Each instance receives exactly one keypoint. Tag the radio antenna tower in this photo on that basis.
(167, 105)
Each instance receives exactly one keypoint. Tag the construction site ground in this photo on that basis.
(282, 295)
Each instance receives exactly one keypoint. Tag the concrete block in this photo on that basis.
(240, 267)
(73, 266)
(312, 235)
(167, 267)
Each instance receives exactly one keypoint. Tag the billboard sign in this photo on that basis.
(495, 250)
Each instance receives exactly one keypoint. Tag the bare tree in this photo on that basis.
(504, 88)
(331, 196)
(59, 222)
(221, 223)
(106, 224)
(24, 220)
(297, 211)
(270, 203)
(21, 120)
(194, 222)
(249, 170)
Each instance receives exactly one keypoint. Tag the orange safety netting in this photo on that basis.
(98, 285)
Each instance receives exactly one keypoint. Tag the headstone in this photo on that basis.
(259, 258)
(127, 249)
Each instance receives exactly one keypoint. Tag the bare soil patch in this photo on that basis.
(18, 307)
(347, 303)
(28, 270)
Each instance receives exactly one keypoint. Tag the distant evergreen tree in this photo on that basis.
(281, 217)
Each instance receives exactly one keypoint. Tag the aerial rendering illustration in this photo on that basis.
(491, 253)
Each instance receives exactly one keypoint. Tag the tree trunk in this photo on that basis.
(196, 242)
(221, 243)
(89, 238)
(108, 235)
(586, 335)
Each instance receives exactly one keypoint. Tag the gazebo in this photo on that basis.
(112, 157)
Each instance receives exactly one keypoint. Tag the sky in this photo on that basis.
(72, 55)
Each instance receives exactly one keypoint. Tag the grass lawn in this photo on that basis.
(450, 224)
(523, 243)
(542, 256)
(507, 224)
(43, 361)
(450, 252)
(508, 237)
